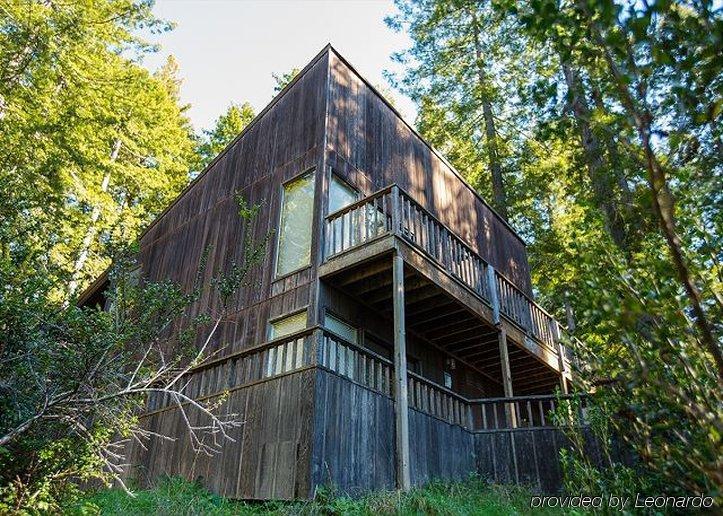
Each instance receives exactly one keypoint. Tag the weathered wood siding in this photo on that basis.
(281, 144)
(270, 457)
(353, 436)
(309, 427)
(354, 440)
(438, 450)
(531, 456)
(371, 147)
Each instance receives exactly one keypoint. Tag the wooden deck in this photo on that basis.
(445, 277)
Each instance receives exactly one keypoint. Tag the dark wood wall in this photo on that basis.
(354, 448)
(305, 428)
(271, 453)
(282, 143)
(531, 456)
(372, 147)
(438, 450)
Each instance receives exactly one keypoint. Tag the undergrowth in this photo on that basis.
(177, 496)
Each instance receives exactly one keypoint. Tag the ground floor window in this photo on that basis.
(287, 325)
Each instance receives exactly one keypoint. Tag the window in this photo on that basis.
(349, 333)
(414, 365)
(449, 366)
(294, 244)
(377, 346)
(341, 194)
(287, 325)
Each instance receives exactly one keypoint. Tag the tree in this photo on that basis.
(283, 80)
(650, 318)
(227, 127)
(73, 380)
(607, 127)
(461, 61)
(91, 144)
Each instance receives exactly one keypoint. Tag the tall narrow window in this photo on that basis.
(341, 194)
(294, 248)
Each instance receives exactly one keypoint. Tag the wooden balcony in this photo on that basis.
(359, 236)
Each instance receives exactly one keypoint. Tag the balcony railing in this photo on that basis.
(543, 411)
(368, 369)
(318, 346)
(355, 362)
(393, 211)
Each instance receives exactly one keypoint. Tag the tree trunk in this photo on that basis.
(599, 177)
(663, 204)
(92, 228)
(626, 195)
(498, 187)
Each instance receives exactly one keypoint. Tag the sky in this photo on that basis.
(227, 50)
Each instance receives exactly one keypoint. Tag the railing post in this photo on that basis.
(396, 211)
(560, 356)
(494, 294)
(401, 405)
(316, 346)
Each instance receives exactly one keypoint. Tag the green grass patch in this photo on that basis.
(174, 496)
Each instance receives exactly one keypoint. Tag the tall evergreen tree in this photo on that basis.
(462, 61)
(91, 144)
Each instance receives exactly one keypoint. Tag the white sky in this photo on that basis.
(227, 50)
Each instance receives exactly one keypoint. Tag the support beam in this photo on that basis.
(401, 406)
(507, 376)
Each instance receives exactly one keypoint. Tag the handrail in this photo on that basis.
(526, 412)
(355, 346)
(360, 202)
(435, 385)
(254, 349)
(542, 397)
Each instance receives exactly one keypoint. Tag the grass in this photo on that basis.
(174, 496)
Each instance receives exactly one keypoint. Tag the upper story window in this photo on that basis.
(348, 332)
(341, 194)
(297, 209)
(287, 325)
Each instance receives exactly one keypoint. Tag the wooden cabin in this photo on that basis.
(393, 339)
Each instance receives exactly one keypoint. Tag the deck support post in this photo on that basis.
(401, 406)
(507, 376)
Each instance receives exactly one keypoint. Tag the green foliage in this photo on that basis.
(91, 144)
(282, 80)
(174, 495)
(227, 127)
(468, 69)
(579, 472)
(608, 117)
(74, 379)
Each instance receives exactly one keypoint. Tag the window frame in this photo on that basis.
(343, 320)
(277, 247)
(273, 320)
(332, 175)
